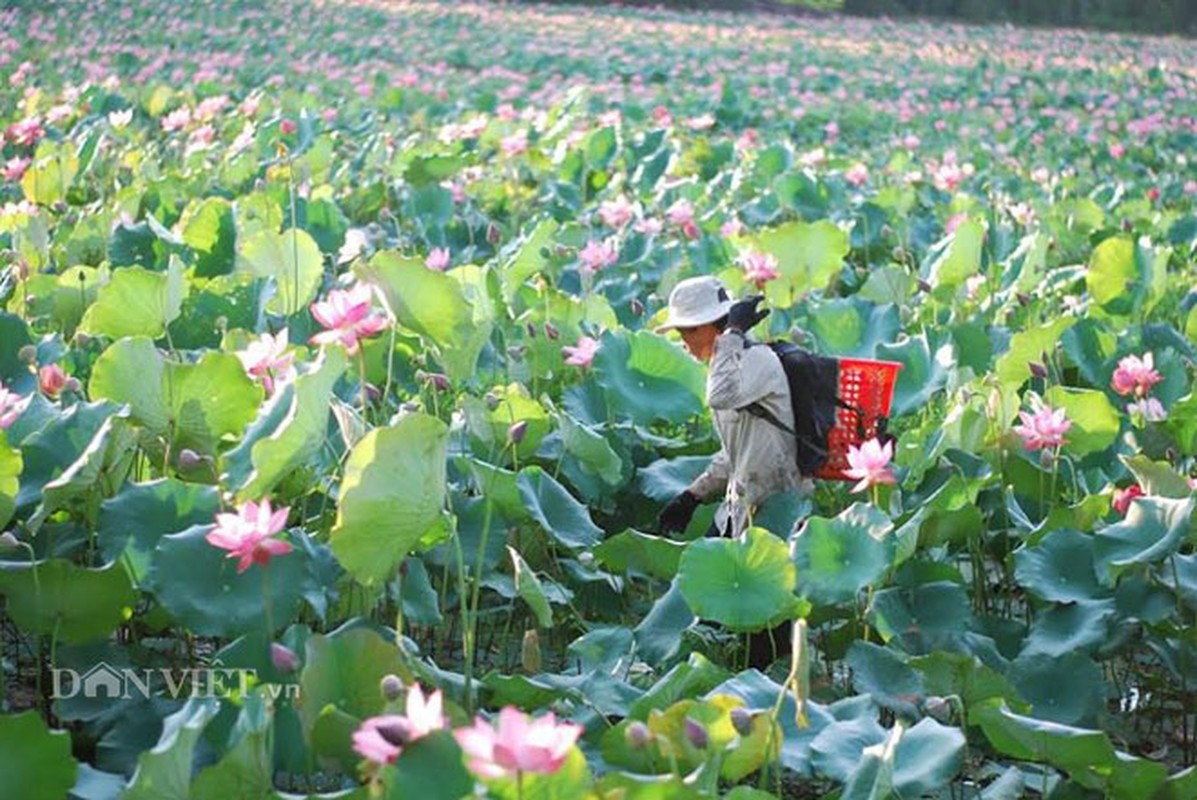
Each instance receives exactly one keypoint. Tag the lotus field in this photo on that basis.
(334, 432)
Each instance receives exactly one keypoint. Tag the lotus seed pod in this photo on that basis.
(741, 720)
(531, 330)
(637, 735)
(27, 354)
(637, 307)
(492, 401)
(550, 331)
(696, 734)
(517, 431)
(8, 541)
(283, 657)
(1038, 370)
(493, 234)
(530, 652)
(391, 686)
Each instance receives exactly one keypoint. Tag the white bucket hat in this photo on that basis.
(694, 302)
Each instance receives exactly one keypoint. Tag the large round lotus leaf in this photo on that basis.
(1158, 478)
(76, 603)
(166, 770)
(140, 514)
(958, 256)
(1090, 345)
(246, 770)
(927, 758)
(923, 372)
(48, 178)
(631, 550)
(196, 405)
(291, 258)
(60, 442)
(1114, 275)
(647, 377)
(136, 302)
(666, 478)
(659, 634)
(884, 674)
(105, 461)
(435, 305)
(1095, 421)
(1028, 346)
(526, 257)
(1072, 628)
(208, 229)
(849, 326)
(1154, 528)
(837, 558)
(10, 471)
(1068, 688)
(836, 751)
(198, 585)
(1059, 568)
(592, 450)
(491, 425)
(744, 584)
(391, 496)
(343, 669)
(290, 428)
(556, 510)
(1031, 739)
(34, 759)
(921, 617)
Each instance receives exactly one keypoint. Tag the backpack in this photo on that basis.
(814, 398)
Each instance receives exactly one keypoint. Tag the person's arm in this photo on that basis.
(712, 483)
(738, 375)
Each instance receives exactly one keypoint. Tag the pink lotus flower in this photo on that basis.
(1135, 374)
(581, 355)
(662, 117)
(51, 379)
(616, 213)
(1117, 150)
(680, 213)
(515, 144)
(381, 739)
(347, 316)
(287, 127)
(857, 174)
(176, 120)
(1043, 428)
(649, 226)
(518, 745)
(758, 267)
(26, 132)
(248, 534)
(733, 227)
(438, 259)
(12, 405)
(869, 464)
(1122, 498)
(596, 255)
(15, 168)
(267, 360)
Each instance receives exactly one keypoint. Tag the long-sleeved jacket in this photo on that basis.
(757, 458)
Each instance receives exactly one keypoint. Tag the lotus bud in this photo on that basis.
(938, 708)
(530, 652)
(373, 393)
(637, 735)
(283, 658)
(550, 331)
(8, 541)
(696, 734)
(561, 251)
(517, 431)
(397, 731)
(30, 299)
(27, 354)
(189, 459)
(493, 234)
(73, 385)
(1127, 226)
(531, 329)
(741, 720)
(1037, 369)
(923, 285)
(82, 339)
(1024, 299)
(492, 401)
(898, 254)
(59, 207)
(637, 307)
(438, 381)
(391, 686)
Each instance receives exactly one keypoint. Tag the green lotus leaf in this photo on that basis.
(809, 255)
(647, 377)
(744, 584)
(631, 550)
(853, 327)
(1114, 276)
(292, 259)
(76, 604)
(135, 519)
(1095, 421)
(208, 229)
(1157, 478)
(659, 634)
(57, 444)
(193, 405)
(1027, 346)
(958, 257)
(431, 767)
(35, 758)
(164, 772)
(1059, 568)
(1062, 630)
(10, 472)
(527, 585)
(884, 674)
(837, 558)
(556, 511)
(245, 772)
(290, 428)
(137, 302)
(921, 617)
(593, 451)
(923, 372)
(15, 374)
(928, 756)
(1154, 528)
(51, 174)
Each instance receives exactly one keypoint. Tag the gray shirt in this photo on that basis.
(757, 458)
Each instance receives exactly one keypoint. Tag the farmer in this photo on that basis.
(757, 458)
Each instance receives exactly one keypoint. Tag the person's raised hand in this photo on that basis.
(677, 513)
(744, 314)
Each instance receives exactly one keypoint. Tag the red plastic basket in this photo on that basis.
(867, 386)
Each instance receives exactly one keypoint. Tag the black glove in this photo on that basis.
(676, 515)
(744, 314)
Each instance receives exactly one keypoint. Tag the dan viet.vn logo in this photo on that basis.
(104, 681)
